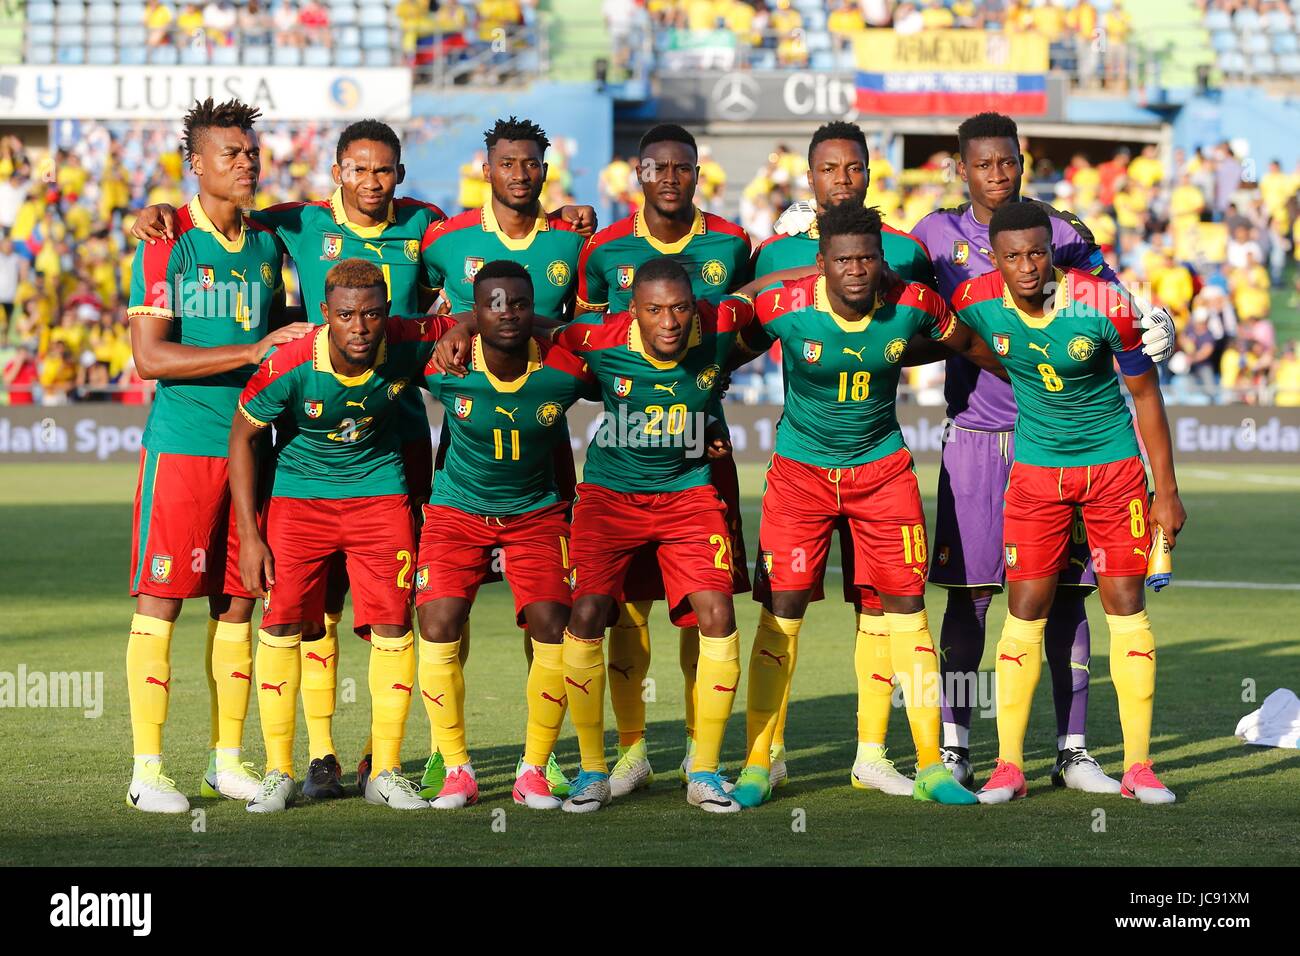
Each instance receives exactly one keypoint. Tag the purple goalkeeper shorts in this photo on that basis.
(967, 546)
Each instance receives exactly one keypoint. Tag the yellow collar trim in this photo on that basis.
(201, 221)
(479, 364)
(1059, 301)
(491, 225)
(641, 231)
(321, 361)
(822, 303)
(635, 344)
(365, 232)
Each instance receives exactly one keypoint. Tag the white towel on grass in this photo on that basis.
(1276, 724)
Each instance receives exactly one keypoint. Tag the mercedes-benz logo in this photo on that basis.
(735, 97)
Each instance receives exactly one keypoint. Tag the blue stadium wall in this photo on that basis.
(576, 111)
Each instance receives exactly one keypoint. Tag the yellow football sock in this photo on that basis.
(320, 661)
(442, 688)
(1019, 664)
(1133, 672)
(392, 678)
(279, 671)
(917, 665)
(584, 680)
(214, 712)
(688, 658)
(719, 676)
(629, 662)
(546, 703)
(778, 733)
(231, 664)
(148, 680)
(769, 674)
(873, 662)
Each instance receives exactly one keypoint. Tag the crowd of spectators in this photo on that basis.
(1088, 38)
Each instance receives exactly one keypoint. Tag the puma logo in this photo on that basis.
(882, 679)
(1149, 655)
(422, 323)
(776, 302)
(324, 661)
(857, 354)
(361, 404)
(1018, 660)
(1116, 307)
(239, 275)
(553, 700)
(726, 690)
(437, 700)
(582, 687)
(278, 688)
(377, 250)
(1139, 552)
(270, 367)
(625, 671)
(164, 684)
(928, 650)
(247, 677)
(670, 389)
(403, 687)
(779, 658)
(508, 414)
(965, 295)
(1041, 348)
(1080, 563)
(918, 571)
(586, 338)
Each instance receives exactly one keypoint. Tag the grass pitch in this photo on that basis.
(63, 607)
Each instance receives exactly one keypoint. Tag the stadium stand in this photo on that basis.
(488, 42)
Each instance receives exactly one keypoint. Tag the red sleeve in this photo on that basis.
(917, 295)
(418, 328)
(556, 357)
(581, 337)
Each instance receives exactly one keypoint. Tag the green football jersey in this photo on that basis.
(905, 254)
(319, 235)
(651, 435)
(1071, 411)
(503, 434)
(715, 254)
(842, 375)
(214, 292)
(338, 437)
(455, 249)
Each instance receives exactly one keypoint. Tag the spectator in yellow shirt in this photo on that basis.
(702, 16)
(713, 180)
(1146, 167)
(158, 19)
(58, 374)
(740, 21)
(1250, 292)
(846, 19)
(1049, 20)
(1277, 188)
(475, 191)
(1286, 377)
(1172, 285)
(1186, 203)
(936, 16)
(497, 14)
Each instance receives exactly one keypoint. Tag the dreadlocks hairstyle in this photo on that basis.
(1018, 216)
(838, 129)
(667, 133)
(663, 269)
(985, 126)
(847, 219)
(353, 274)
(206, 115)
(501, 269)
(369, 129)
(518, 130)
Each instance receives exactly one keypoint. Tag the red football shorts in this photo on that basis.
(458, 551)
(377, 539)
(645, 583)
(1039, 515)
(882, 504)
(862, 597)
(184, 542)
(688, 528)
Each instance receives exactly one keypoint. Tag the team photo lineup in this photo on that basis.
(646, 434)
(508, 315)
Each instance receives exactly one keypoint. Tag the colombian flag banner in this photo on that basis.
(951, 72)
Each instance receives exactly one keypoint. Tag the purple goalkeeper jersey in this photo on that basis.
(959, 248)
